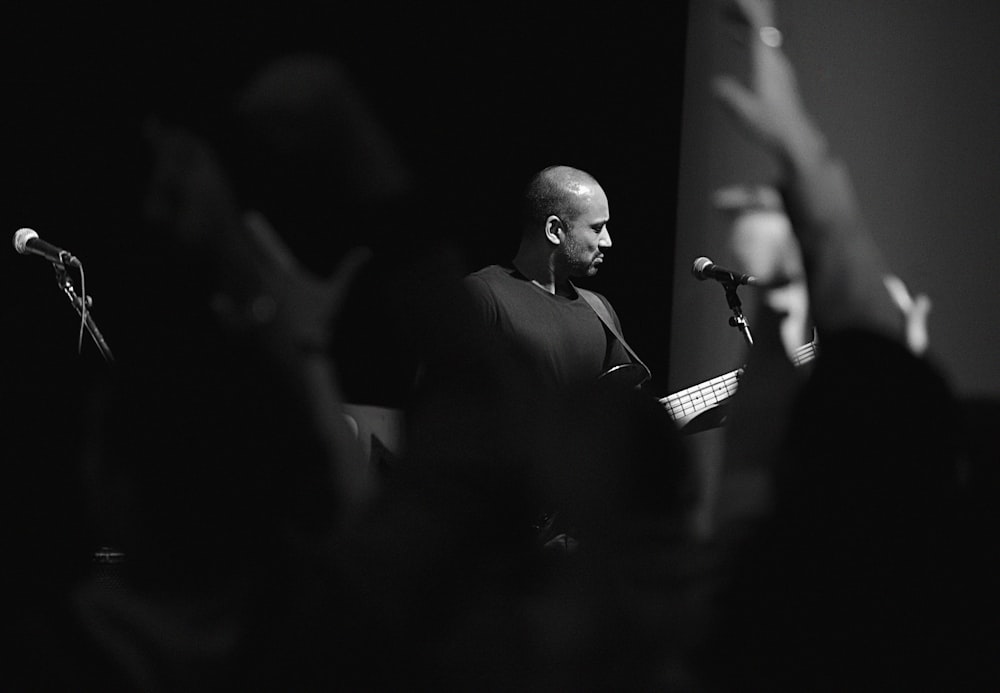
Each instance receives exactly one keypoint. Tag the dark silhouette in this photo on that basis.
(857, 572)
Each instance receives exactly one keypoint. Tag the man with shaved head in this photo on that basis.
(532, 306)
(536, 351)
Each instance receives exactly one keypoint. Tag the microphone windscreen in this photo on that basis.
(699, 266)
(21, 238)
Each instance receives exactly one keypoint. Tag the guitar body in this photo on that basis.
(627, 376)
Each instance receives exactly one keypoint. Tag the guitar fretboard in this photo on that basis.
(687, 404)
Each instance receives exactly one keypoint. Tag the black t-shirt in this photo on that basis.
(562, 339)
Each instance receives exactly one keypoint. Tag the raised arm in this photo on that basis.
(846, 272)
(262, 290)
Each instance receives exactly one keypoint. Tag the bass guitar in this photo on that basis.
(700, 406)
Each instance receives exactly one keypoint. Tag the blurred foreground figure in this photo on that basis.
(857, 571)
(225, 469)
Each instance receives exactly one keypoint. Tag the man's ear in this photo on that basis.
(555, 229)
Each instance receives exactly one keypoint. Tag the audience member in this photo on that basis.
(854, 578)
(224, 468)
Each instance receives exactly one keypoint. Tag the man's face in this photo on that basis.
(587, 235)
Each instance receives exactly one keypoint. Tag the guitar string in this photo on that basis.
(688, 401)
(693, 398)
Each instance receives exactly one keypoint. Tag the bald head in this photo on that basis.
(559, 190)
(564, 230)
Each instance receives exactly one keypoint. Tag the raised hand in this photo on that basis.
(262, 288)
(845, 266)
(915, 310)
(271, 292)
(263, 293)
(770, 107)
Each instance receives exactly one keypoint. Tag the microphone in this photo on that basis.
(704, 268)
(26, 241)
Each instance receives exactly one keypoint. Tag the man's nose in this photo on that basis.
(604, 240)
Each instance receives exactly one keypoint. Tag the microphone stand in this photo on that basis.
(66, 284)
(737, 320)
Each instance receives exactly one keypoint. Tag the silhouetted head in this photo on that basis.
(310, 153)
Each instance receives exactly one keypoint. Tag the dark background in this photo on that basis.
(476, 99)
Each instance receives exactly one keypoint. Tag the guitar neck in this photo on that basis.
(685, 405)
(804, 354)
